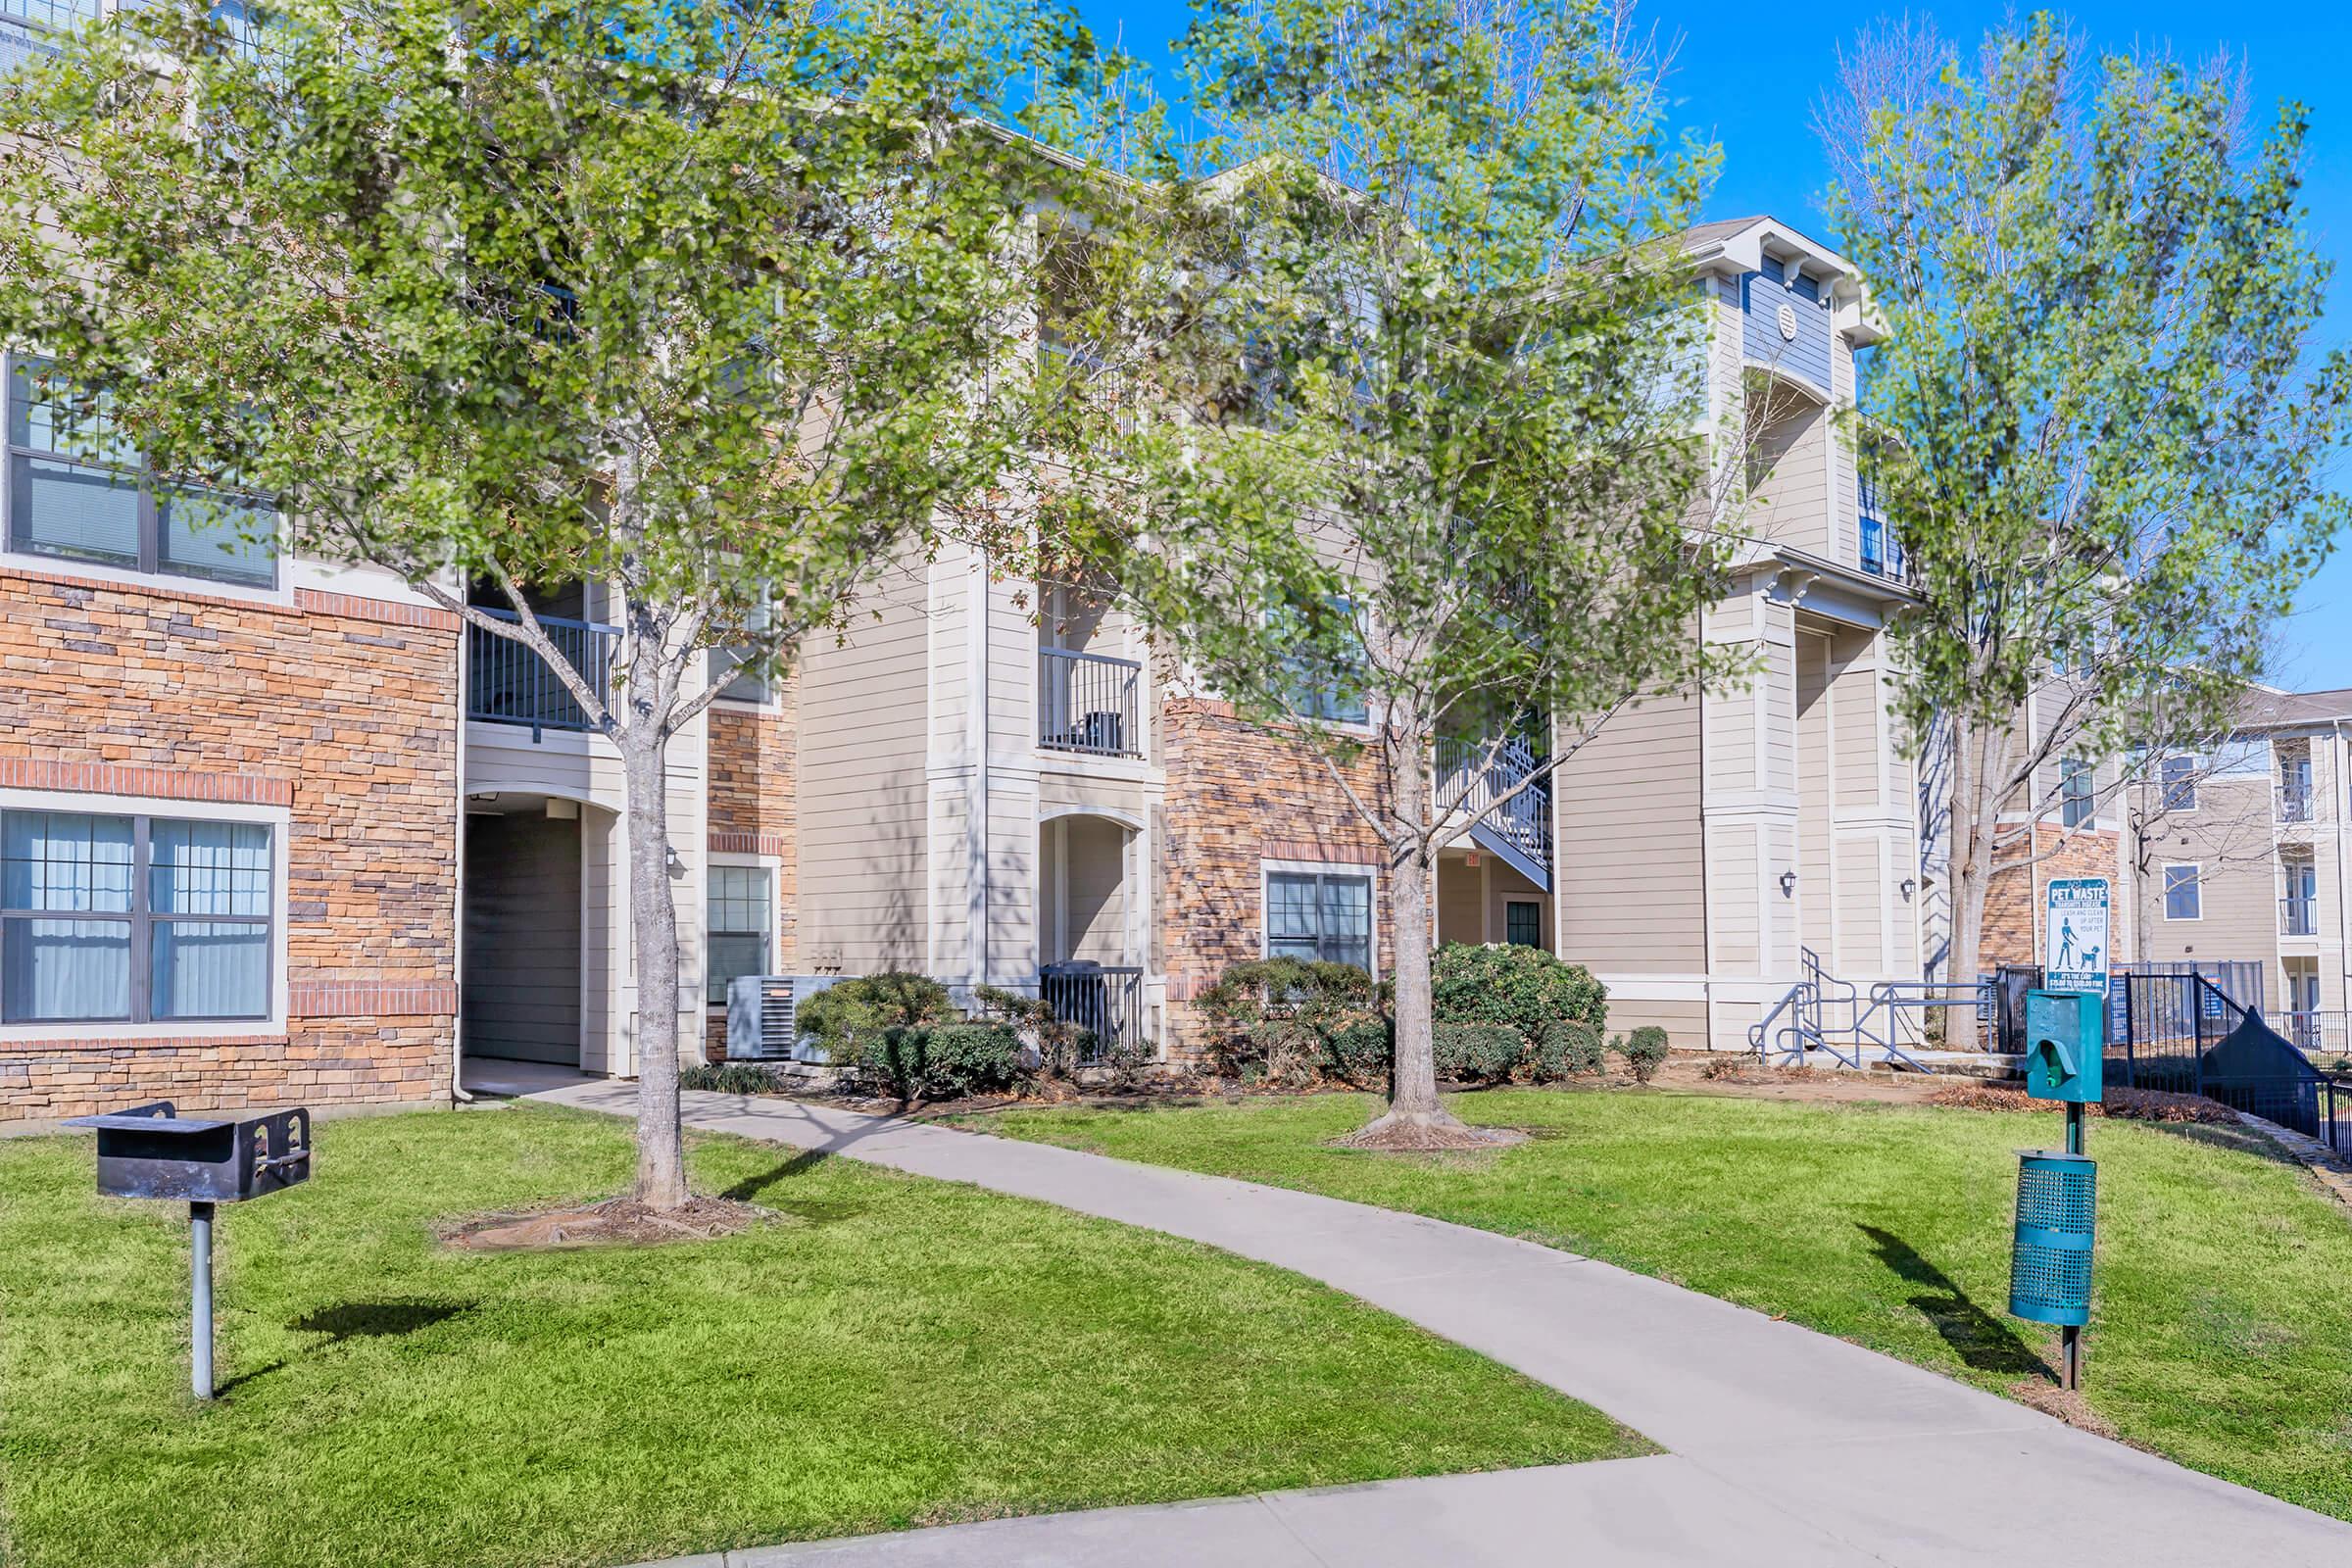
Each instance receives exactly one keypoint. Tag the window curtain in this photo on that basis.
(66, 862)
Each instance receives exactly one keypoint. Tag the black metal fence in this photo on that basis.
(1087, 703)
(507, 683)
(1105, 1001)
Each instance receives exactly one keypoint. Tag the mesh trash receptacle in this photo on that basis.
(2049, 1262)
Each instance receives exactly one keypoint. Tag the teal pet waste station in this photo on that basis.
(2057, 1190)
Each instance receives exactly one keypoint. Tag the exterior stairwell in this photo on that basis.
(1518, 830)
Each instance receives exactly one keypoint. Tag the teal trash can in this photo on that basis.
(2049, 1261)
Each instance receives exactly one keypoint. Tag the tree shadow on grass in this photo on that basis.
(748, 1190)
(1983, 1342)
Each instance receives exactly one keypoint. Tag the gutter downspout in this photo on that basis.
(457, 905)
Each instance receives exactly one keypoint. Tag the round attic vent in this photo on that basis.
(1787, 320)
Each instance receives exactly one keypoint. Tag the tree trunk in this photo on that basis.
(654, 921)
(1970, 859)
(1414, 1119)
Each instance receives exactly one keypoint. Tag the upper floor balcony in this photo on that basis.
(1088, 703)
(2299, 915)
(508, 684)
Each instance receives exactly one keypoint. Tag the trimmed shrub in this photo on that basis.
(849, 1018)
(1568, 1047)
(1476, 1053)
(1525, 988)
(731, 1077)
(1273, 1021)
(943, 1062)
(1644, 1052)
(1360, 1052)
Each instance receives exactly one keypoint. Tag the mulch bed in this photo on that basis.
(2133, 1105)
(614, 1222)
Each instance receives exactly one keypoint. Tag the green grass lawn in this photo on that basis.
(893, 1351)
(2223, 1335)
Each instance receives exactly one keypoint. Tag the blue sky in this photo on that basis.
(1752, 78)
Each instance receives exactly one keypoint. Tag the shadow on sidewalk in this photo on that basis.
(1982, 1340)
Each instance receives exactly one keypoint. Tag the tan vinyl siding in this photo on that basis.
(1787, 461)
(2227, 837)
(861, 780)
(1631, 877)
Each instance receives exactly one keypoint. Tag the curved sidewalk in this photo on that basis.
(1784, 1445)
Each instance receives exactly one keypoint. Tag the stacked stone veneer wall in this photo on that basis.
(2013, 895)
(1238, 796)
(754, 810)
(343, 711)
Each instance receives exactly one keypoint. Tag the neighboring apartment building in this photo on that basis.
(2245, 857)
(279, 831)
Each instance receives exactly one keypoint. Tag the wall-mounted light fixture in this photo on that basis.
(675, 865)
(1788, 884)
(1909, 887)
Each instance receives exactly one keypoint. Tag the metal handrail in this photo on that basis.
(1088, 703)
(2299, 915)
(506, 682)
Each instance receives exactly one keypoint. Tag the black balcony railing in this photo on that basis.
(507, 683)
(1103, 1000)
(2294, 801)
(2299, 916)
(1087, 703)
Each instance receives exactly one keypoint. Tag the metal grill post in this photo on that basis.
(200, 1300)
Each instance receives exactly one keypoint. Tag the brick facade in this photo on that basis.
(2014, 898)
(1239, 795)
(754, 807)
(342, 709)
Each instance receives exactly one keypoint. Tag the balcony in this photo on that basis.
(2294, 801)
(2299, 915)
(507, 683)
(1089, 704)
(1105, 1001)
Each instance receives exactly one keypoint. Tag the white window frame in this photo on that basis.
(1267, 871)
(773, 866)
(2164, 888)
(277, 818)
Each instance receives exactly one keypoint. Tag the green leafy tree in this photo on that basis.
(702, 303)
(1419, 459)
(2102, 428)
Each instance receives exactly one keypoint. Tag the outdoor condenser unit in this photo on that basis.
(763, 1016)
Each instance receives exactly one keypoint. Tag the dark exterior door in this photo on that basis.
(523, 937)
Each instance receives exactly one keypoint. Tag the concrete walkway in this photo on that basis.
(1784, 1445)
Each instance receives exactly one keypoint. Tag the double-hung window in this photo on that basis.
(78, 490)
(741, 915)
(727, 667)
(1333, 697)
(2183, 899)
(2075, 804)
(1523, 923)
(110, 919)
(2179, 776)
(1319, 915)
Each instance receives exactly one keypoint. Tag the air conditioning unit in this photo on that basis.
(763, 1016)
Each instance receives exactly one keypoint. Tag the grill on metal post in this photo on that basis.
(151, 1152)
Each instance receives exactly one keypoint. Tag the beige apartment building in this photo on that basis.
(405, 845)
(2243, 857)
(993, 792)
